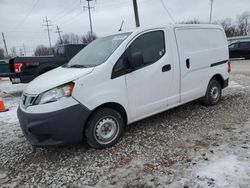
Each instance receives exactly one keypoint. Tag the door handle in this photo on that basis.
(188, 63)
(166, 68)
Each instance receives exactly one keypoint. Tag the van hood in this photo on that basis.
(54, 78)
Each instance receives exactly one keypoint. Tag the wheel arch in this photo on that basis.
(219, 78)
(115, 106)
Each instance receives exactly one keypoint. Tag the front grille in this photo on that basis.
(28, 100)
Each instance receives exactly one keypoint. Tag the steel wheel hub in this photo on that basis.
(214, 93)
(106, 130)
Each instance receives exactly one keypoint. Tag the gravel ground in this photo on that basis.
(189, 146)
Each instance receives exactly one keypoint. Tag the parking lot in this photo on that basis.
(189, 146)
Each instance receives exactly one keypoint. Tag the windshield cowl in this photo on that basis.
(74, 66)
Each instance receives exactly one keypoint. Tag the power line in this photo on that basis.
(73, 20)
(70, 18)
(166, 9)
(27, 15)
(48, 30)
(69, 10)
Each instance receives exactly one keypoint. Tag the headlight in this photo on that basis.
(56, 94)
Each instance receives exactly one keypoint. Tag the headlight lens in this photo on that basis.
(56, 94)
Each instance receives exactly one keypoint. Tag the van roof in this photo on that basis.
(172, 26)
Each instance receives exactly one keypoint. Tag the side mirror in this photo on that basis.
(136, 60)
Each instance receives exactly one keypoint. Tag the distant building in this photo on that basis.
(240, 38)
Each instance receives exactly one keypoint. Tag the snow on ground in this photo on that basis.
(227, 166)
(234, 84)
(10, 94)
(7, 87)
(210, 149)
(224, 171)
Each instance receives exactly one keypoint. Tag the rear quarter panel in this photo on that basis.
(204, 47)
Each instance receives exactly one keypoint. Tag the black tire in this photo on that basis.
(104, 122)
(247, 57)
(213, 94)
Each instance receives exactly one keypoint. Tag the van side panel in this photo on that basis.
(199, 48)
(174, 90)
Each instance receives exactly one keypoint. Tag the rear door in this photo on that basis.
(198, 49)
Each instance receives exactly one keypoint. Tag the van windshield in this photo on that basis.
(97, 52)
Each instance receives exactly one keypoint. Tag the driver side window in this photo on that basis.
(152, 47)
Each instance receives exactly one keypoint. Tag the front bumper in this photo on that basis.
(61, 127)
(225, 83)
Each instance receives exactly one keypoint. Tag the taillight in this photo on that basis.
(229, 65)
(18, 67)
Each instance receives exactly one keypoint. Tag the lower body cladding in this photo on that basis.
(55, 128)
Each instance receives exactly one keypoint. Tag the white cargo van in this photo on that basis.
(123, 78)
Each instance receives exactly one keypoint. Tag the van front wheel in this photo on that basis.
(104, 128)
(213, 94)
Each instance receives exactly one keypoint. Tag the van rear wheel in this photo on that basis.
(104, 128)
(213, 94)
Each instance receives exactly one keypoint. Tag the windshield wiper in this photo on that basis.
(77, 66)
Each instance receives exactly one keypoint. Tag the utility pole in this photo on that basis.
(5, 45)
(21, 52)
(211, 11)
(48, 30)
(90, 18)
(137, 21)
(59, 33)
(24, 50)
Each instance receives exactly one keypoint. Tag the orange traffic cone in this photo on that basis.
(2, 107)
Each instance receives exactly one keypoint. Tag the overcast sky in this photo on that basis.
(21, 20)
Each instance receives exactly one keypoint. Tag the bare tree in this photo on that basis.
(243, 22)
(240, 27)
(88, 38)
(229, 26)
(70, 38)
(194, 21)
(74, 38)
(2, 56)
(42, 50)
(13, 52)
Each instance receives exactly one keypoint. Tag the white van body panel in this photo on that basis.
(148, 88)
(146, 91)
(202, 47)
(54, 78)
(93, 91)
